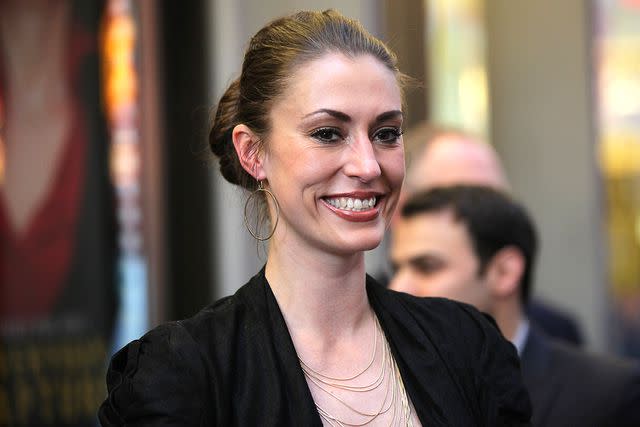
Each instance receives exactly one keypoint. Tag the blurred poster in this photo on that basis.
(617, 66)
(57, 228)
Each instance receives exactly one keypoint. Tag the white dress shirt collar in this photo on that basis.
(520, 337)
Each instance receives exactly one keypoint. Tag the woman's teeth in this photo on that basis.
(352, 204)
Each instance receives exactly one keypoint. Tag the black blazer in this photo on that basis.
(234, 363)
(569, 387)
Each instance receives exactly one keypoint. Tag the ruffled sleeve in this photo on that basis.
(158, 380)
(499, 383)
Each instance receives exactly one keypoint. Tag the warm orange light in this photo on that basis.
(118, 44)
(121, 90)
(120, 36)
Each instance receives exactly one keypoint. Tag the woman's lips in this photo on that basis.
(354, 208)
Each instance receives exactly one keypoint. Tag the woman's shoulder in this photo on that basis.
(210, 329)
(465, 340)
(457, 328)
(226, 317)
(441, 314)
(156, 377)
(166, 374)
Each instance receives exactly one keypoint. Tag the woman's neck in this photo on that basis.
(323, 294)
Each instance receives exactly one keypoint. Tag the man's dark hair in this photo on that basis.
(492, 219)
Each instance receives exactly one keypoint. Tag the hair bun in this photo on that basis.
(220, 136)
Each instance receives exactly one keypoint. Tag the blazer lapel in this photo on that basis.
(274, 337)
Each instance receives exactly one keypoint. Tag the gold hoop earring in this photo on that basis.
(275, 202)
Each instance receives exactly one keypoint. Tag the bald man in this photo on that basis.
(438, 157)
(451, 157)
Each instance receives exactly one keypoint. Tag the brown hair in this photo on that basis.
(271, 58)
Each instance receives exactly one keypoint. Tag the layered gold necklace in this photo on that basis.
(395, 401)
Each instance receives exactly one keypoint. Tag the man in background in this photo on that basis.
(476, 245)
(441, 156)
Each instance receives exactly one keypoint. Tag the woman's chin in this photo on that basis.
(363, 243)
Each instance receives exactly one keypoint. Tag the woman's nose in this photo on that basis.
(362, 162)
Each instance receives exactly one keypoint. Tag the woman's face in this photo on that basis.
(334, 156)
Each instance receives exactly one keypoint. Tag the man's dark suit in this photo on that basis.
(569, 387)
(554, 322)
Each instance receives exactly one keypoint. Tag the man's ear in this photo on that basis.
(247, 145)
(505, 271)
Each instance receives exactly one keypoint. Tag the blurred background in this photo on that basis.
(113, 217)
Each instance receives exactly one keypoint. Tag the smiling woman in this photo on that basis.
(335, 133)
(313, 129)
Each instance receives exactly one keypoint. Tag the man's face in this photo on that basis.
(432, 255)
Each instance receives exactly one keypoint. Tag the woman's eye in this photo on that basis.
(387, 135)
(327, 135)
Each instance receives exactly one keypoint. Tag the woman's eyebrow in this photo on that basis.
(387, 115)
(337, 114)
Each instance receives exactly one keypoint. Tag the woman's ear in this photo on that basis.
(505, 271)
(247, 145)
